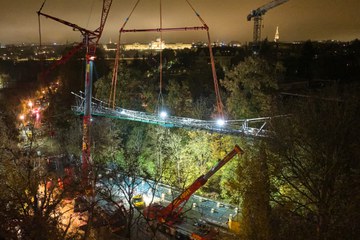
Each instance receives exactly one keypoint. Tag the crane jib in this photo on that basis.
(220, 164)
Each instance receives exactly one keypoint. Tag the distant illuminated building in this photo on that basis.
(157, 44)
(136, 46)
(176, 46)
(154, 45)
(109, 46)
(277, 36)
(234, 44)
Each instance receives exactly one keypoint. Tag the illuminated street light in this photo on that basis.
(22, 117)
(30, 104)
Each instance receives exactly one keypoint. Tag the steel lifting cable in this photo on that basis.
(39, 22)
(112, 97)
(219, 103)
(91, 11)
(160, 98)
(40, 38)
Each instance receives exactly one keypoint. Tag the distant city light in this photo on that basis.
(22, 117)
(30, 104)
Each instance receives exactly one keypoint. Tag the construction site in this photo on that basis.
(180, 142)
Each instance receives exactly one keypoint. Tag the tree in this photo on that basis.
(251, 86)
(306, 61)
(179, 98)
(316, 163)
(30, 197)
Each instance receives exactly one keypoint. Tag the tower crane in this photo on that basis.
(257, 15)
(90, 41)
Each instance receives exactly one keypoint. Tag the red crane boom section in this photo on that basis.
(90, 40)
(93, 36)
(169, 213)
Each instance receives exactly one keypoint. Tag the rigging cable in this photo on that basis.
(91, 10)
(112, 97)
(160, 97)
(39, 22)
(219, 103)
(40, 39)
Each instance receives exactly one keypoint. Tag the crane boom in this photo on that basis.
(90, 41)
(104, 15)
(263, 9)
(256, 15)
(92, 37)
(170, 213)
(74, 26)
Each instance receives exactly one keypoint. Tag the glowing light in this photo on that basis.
(30, 104)
(22, 117)
(163, 114)
(220, 122)
(147, 199)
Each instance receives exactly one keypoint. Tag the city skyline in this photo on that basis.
(297, 20)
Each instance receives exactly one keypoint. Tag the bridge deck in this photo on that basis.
(250, 127)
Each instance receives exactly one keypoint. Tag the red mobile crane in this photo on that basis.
(170, 214)
(90, 41)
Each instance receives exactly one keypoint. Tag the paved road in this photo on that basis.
(197, 211)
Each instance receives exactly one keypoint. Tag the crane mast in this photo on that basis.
(257, 14)
(90, 41)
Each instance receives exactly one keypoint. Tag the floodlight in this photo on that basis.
(220, 122)
(163, 114)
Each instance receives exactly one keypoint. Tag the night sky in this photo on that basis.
(297, 20)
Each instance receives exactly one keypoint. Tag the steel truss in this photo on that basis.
(255, 127)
